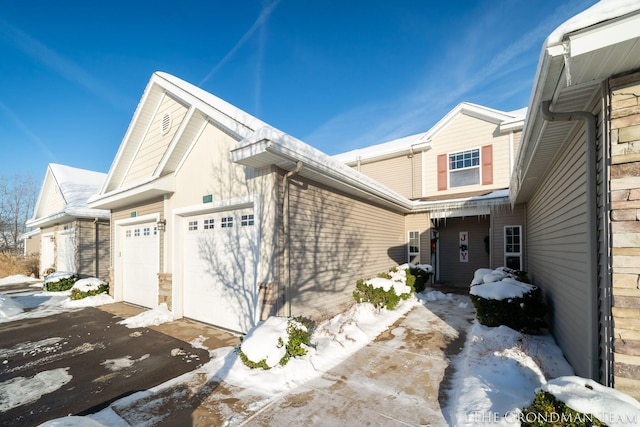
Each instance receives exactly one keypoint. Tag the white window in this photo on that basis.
(136, 232)
(193, 225)
(226, 222)
(208, 224)
(146, 231)
(464, 168)
(414, 247)
(513, 247)
(246, 220)
(155, 230)
(127, 233)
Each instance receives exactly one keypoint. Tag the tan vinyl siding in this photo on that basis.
(154, 144)
(557, 252)
(92, 252)
(208, 170)
(335, 240)
(52, 200)
(452, 271)
(466, 133)
(396, 173)
(32, 244)
(502, 216)
(420, 222)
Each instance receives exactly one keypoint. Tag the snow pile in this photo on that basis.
(92, 301)
(587, 396)
(334, 341)
(89, 284)
(20, 391)
(18, 279)
(8, 308)
(498, 373)
(157, 316)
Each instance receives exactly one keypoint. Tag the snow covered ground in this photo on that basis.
(496, 374)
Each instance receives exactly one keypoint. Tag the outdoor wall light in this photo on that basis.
(162, 224)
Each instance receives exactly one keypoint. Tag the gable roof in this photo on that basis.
(75, 186)
(422, 141)
(202, 106)
(576, 58)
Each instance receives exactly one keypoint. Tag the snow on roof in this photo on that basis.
(422, 140)
(213, 101)
(76, 187)
(602, 11)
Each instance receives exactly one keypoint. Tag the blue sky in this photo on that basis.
(338, 74)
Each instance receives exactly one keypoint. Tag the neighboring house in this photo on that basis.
(578, 173)
(71, 236)
(457, 174)
(228, 220)
(31, 242)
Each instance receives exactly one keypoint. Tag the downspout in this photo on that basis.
(592, 239)
(285, 229)
(96, 247)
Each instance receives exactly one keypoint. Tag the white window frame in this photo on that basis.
(411, 252)
(246, 220)
(506, 243)
(477, 167)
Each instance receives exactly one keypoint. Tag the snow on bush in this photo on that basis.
(88, 287)
(274, 341)
(500, 297)
(584, 395)
(386, 290)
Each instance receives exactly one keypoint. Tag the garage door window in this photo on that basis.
(127, 233)
(193, 225)
(136, 232)
(227, 222)
(208, 224)
(246, 220)
(146, 231)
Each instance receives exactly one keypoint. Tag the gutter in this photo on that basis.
(592, 240)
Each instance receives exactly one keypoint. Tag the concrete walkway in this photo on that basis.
(399, 379)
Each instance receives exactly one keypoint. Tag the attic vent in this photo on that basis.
(165, 123)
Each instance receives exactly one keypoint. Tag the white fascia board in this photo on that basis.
(140, 191)
(599, 37)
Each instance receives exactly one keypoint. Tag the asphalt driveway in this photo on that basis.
(92, 358)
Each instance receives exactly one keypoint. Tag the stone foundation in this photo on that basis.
(165, 287)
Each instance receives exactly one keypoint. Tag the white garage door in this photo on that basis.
(140, 263)
(219, 265)
(65, 247)
(47, 256)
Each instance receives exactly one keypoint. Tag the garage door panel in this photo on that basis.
(140, 263)
(219, 270)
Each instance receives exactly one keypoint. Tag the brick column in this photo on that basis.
(625, 221)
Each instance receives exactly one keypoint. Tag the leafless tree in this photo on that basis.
(18, 195)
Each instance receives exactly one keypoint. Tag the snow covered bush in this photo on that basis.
(501, 299)
(88, 287)
(59, 281)
(386, 290)
(422, 273)
(275, 341)
(547, 410)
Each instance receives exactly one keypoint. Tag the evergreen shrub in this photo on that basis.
(546, 410)
(61, 285)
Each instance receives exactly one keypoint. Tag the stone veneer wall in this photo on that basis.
(625, 227)
(165, 285)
